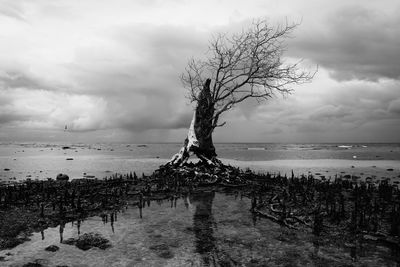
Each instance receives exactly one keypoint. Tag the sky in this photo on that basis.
(110, 70)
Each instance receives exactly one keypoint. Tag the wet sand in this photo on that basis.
(325, 167)
(101, 167)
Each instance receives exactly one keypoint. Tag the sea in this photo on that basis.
(34, 160)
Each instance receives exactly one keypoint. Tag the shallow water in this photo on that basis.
(203, 229)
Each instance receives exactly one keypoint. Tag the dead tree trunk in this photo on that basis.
(199, 139)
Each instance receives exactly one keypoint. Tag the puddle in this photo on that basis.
(203, 229)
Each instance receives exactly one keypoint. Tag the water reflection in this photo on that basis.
(78, 226)
(113, 218)
(203, 222)
(189, 231)
(62, 226)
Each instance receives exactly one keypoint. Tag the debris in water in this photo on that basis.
(88, 241)
(52, 248)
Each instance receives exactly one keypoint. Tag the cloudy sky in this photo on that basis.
(109, 70)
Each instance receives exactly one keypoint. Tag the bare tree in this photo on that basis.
(238, 67)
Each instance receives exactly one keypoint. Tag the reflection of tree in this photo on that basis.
(203, 221)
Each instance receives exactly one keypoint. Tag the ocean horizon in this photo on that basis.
(43, 160)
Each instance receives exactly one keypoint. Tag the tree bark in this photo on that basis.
(199, 139)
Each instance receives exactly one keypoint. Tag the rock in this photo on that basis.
(390, 170)
(159, 247)
(37, 263)
(52, 248)
(166, 254)
(66, 147)
(70, 159)
(32, 264)
(88, 241)
(349, 245)
(62, 177)
(6, 169)
(370, 237)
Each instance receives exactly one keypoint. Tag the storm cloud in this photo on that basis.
(354, 42)
(111, 71)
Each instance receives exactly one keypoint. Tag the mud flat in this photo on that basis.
(325, 167)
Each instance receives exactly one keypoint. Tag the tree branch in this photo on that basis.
(245, 65)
